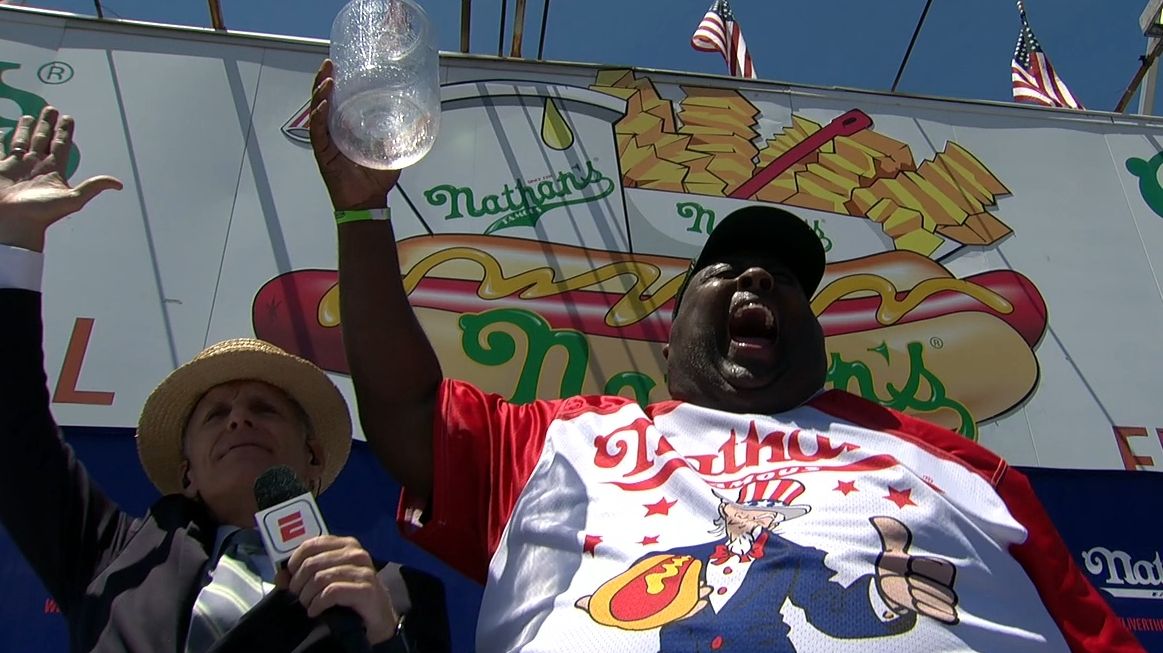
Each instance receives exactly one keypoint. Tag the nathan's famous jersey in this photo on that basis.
(598, 525)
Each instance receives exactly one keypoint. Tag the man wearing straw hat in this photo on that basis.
(190, 575)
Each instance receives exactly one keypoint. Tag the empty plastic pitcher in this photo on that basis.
(385, 109)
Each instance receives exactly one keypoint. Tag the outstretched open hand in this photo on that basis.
(33, 191)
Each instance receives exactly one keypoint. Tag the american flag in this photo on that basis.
(1034, 79)
(718, 32)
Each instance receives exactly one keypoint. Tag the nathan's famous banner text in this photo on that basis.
(1107, 519)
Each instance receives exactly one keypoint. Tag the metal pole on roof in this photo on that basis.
(501, 29)
(909, 51)
(1147, 95)
(216, 16)
(1145, 63)
(465, 23)
(100, 12)
(541, 39)
(518, 28)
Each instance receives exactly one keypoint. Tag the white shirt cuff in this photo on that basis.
(20, 268)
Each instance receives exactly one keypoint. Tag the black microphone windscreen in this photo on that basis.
(276, 485)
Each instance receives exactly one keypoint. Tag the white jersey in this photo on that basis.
(599, 525)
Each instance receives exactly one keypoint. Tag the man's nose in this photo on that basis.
(239, 417)
(755, 279)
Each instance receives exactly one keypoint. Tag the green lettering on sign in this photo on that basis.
(703, 221)
(640, 383)
(497, 348)
(842, 374)
(522, 205)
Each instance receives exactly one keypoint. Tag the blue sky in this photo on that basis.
(963, 51)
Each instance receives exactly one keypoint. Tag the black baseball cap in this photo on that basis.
(766, 231)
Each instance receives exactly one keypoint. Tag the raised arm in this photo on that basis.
(65, 527)
(393, 365)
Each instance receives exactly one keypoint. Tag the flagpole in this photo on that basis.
(465, 24)
(909, 51)
(541, 40)
(501, 36)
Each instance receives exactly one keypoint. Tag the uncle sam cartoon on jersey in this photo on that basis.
(727, 594)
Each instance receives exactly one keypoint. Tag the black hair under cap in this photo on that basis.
(765, 231)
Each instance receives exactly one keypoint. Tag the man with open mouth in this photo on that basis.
(754, 511)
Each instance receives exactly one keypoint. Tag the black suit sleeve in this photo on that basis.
(64, 525)
(420, 598)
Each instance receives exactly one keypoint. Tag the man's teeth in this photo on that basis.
(752, 320)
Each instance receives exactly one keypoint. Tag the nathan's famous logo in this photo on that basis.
(523, 203)
(1118, 574)
(643, 464)
(526, 318)
(29, 104)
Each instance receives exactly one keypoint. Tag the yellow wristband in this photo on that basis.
(362, 215)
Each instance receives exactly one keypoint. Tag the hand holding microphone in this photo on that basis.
(333, 577)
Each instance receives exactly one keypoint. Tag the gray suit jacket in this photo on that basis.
(128, 583)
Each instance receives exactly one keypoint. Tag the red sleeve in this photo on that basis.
(484, 450)
(1084, 618)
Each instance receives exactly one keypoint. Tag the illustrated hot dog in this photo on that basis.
(656, 591)
(875, 310)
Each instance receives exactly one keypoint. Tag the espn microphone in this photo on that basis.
(287, 516)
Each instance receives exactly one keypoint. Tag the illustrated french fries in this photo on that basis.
(936, 175)
(707, 145)
(921, 241)
(612, 77)
(782, 188)
(934, 203)
(974, 168)
(700, 180)
(721, 98)
(645, 127)
(895, 155)
(676, 148)
(816, 192)
(979, 229)
(632, 158)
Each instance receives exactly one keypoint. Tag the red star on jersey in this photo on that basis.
(901, 498)
(662, 507)
(846, 487)
(649, 539)
(592, 542)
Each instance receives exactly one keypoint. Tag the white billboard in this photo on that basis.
(992, 267)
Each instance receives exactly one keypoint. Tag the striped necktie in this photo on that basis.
(235, 587)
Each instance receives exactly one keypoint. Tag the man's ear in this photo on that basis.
(189, 487)
(316, 459)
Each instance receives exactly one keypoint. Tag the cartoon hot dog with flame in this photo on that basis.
(900, 328)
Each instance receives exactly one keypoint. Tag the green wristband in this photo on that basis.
(363, 215)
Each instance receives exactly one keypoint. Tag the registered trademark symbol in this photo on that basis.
(936, 343)
(55, 72)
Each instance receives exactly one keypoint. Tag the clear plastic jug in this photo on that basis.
(385, 109)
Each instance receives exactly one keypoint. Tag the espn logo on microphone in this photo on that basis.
(287, 525)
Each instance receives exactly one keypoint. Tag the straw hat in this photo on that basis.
(166, 411)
